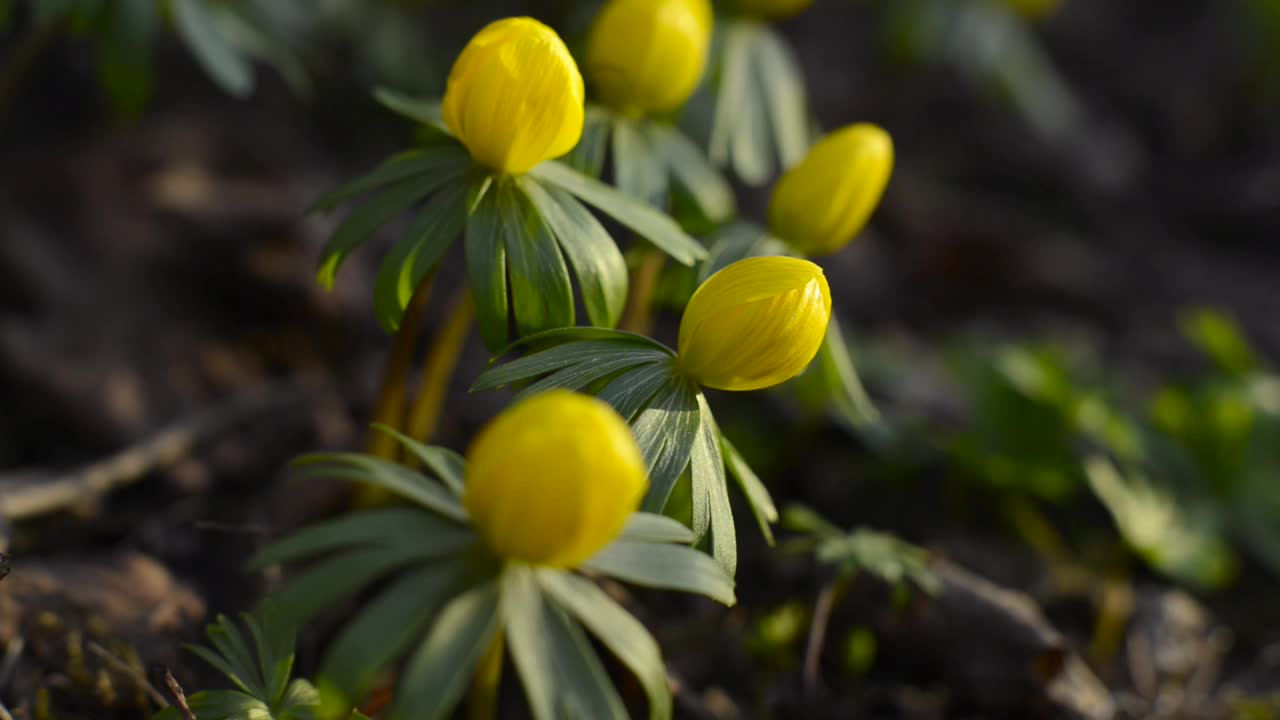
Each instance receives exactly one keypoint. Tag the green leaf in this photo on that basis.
(653, 528)
(326, 582)
(384, 527)
(440, 669)
(426, 111)
(447, 465)
(446, 161)
(388, 475)
(647, 222)
(366, 219)
(226, 705)
(739, 134)
(711, 488)
(664, 567)
(589, 156)
(708, 188)
(638, 167)
(782, 87)
(487, 270)
(561, 357)
(596, 260)
(541, 291)
(126, 49)
(299, 703)
(616, 629)
(387, 626)
(561, 674)
(197, 25)
(880, 554)
(1219, 337)
(758, 497)
(587, 372)
(666, 430)
(631, 391)
(844, 386)
(414, 256)
(274, 639)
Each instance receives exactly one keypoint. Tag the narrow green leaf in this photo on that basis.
(230, 645)
(783, 89)
(366, 219)
(664, 567)
(708, 188)
(387, 626)
(638, 167)
(444, 663)
(228, 668)
(126, 44)
(445, 161)
(388, 475)
(666, 430)
(596, 260)
(562, 677)
(383, 527)
(558, 358)
(275, 659)
(414, 256)
(425, 111)
(758, 497)
(646, 221)
(739, 137)
(583, 374)
(589, 156)
(300, 702)
(848, 396)
(227, 705)
(541, 291)
(617, 629)
(326, 582)
(487, 270)
(446, 464)
(653, 528)
(712, 487)
(198, 28)
(631, 391)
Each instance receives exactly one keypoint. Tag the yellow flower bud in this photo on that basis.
(647, 56)
(825, 201)
(553, 479)
(774, 9)
(515, 96)
(754, 324)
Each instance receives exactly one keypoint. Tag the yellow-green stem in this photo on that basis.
(638, 317)
(390, 407)
(483, 703)
(437, 372)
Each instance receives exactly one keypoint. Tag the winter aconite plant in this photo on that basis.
(483, 561)
(754, 324)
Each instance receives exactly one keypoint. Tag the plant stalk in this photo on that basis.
(437, 372)
(390, 408)
(638, 317)
(483, 703)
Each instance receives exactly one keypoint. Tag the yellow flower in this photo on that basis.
(553, 479)
(825, 201)
(515, 96)
(774, 9)
(754, 324)
(647, 56)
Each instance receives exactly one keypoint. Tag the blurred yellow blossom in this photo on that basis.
(754, 324)
(825, 201)
(647, 56)
(553, 479)
(515, 96)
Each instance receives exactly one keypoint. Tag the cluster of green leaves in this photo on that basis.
(261, 668)
(225, 36)
(442, 599)
(879, 554)
(1186, 478)
(672, 421)
(519, 232)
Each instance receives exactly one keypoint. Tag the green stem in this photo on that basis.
(638, 317)
(437, 373)
(483, 704)
(390, 407)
